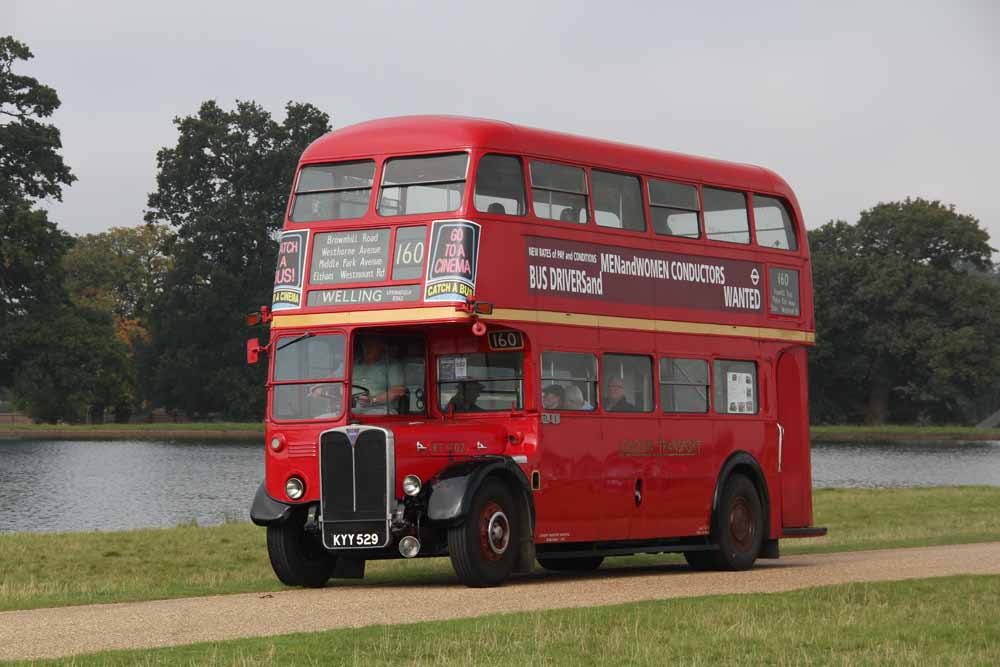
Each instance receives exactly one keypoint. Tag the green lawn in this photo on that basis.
(944, 621)
(903, 432)
(43, 570)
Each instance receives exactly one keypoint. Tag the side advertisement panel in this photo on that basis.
(289, 274)
(453, 260)
(558, 267)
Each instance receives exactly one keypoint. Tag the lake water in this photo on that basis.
(62, 485)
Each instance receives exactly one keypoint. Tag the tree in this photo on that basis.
(31, 246)
(121, 272)
(906, 314)
(72, 366)
(223, 188)
(30, 164)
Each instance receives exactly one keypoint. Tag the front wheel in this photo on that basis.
(482, 549)
(297, 558)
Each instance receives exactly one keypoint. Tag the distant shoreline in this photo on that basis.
(255, 431)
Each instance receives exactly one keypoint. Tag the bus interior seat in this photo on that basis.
(496, 207)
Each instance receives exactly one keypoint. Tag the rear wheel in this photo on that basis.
(298, 558)
(482, 549)
(571, 564)
(702, 560)
(738, 529)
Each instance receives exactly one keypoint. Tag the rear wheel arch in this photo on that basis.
(745, 464)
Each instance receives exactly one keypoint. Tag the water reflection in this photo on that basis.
(115, 485)
(899, 464)
(59, 485)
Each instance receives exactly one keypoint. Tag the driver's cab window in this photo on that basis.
(387, 375)
(308, 377)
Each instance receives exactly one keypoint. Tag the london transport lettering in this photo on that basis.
(289, 274)
(558, 267)
(451, 267)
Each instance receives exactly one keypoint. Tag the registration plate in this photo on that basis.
(355, 534)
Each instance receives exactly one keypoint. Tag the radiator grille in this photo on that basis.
(355, 481)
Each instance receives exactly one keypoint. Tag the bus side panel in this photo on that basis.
(793, 415)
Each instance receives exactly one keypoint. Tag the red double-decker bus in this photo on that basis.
(503, 344)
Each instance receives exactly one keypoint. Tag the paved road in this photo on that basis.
(44, 633)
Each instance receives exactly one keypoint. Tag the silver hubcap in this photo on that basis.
(498, 533)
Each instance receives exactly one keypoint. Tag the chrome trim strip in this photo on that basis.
(781, 442)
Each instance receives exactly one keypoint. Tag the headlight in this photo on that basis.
(411, 485)
(295, 488)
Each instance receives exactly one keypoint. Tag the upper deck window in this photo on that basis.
(674, 208)
(726, 216)
(500, 185)
(412, 185)
(558, 191)
(617, 201)
(333, 191)
(773, 224)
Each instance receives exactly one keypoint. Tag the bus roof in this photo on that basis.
(420, 134)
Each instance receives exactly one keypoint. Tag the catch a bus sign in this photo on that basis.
(453, 260)
(557, 267)
(288, 275)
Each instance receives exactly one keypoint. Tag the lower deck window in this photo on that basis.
(569, 381)
(481, 382)
(684, 385)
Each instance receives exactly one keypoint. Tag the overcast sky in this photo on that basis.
(853, 103)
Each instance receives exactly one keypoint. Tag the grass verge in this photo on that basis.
(902, 432)
(917, 622)
(56, 569)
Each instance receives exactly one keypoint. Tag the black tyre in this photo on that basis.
(483, 548)
(297, 558)
(702, 560)
(571, 564)
(739, 524)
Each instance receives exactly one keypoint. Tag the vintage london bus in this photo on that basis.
(502, 344)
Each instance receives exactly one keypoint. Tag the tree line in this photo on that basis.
(135, 318)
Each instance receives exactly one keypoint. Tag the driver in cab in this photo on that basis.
(379, 379)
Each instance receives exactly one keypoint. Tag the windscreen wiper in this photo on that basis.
(308, 334)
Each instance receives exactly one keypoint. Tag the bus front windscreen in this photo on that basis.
(308, 377)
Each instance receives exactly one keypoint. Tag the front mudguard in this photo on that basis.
(266, 511)
(452, 491)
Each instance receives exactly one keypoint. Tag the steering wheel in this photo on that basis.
(355, 395)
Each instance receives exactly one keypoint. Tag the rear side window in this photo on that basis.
(423, 184)
(617, 201)
(500, 185)
(333, 191)
(773, 224)
(735, 387)
(726, 215)
(558, 191)
(674, 208)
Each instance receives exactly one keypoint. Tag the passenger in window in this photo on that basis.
(496, 207)
(465, 398)
(615, 400)
(553, 397)
(569, 215)
(575, 400)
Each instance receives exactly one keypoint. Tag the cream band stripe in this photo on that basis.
(540, 317)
